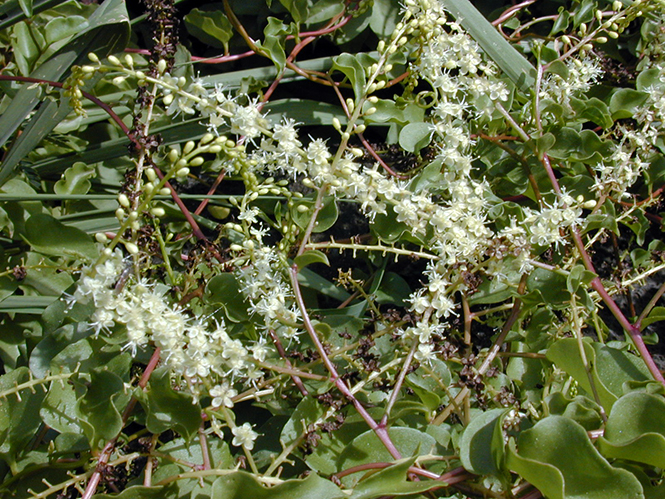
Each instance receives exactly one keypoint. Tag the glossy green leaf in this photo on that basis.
(108, 29)
(51, 237)
(98, 414)
(580, 409)
(58, 409)
(367, 448)
(310, 257)
(324, 10)
(625, 101)
(242, 485)
(482, 446)
(557, 457)
(349, 65)
(19, 414)
(657, 314)
(168, 409)
(326, 218)
(54, 343)
(212, 27)
(308, 409)
(415, 136)
(610, 368)
(225, 289)
(75, 180)
(391, 481)
(635, 430)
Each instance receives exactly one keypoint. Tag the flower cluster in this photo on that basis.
(202, 354)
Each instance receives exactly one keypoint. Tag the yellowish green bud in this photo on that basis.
(101, 237)
(123, 200)
(114, 60)
(158, 212)
(131, 248)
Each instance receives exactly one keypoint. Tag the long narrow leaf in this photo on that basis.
(108, 30)
(511, 62)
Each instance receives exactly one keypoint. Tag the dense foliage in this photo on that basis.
(332, 249)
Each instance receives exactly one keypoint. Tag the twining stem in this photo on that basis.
(491, 355)
(105, 455)
(380, 430)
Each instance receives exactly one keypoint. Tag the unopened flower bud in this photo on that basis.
(236, 247)
(370, 111)
(123, 200)
(129, 60)
(350, 105)
(131, 248)
(114, 60)
(336, 124)
(151, 174)
(161, 66)
(173, 156)
(88, 69)
(381, 45)
(165, 191)
(208, 137)
(183, 172)
(120, 214)
(168, 99)
(357, 152)
(197, 161)
(158, 212)
(590, 205)
(189, 147)
(101, 237)
(93, 57)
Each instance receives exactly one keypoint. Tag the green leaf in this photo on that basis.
(275, 39)
(225, 289)
(511, 62)
(353, 70)
(625, 101)
(211, 27)
(309, 257)
(557, 457)
(385, 16)
(325, 219)
(59, 408)
(367, 448)
(51, 237)
(53, 343)
(75, 179)
(308, 410)
(414, 136)
(108, 29)
(19, 415)
(482, 446)
(324, 10)
(610, 368)
(657, 314)
(299, 9)
(635, 430)
(168, 409)
(96, 409)
(392, 481)
(26, 7)
(580, 409)
(243, 485)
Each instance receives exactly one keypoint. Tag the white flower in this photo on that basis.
(222, 395)
(244, 436)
